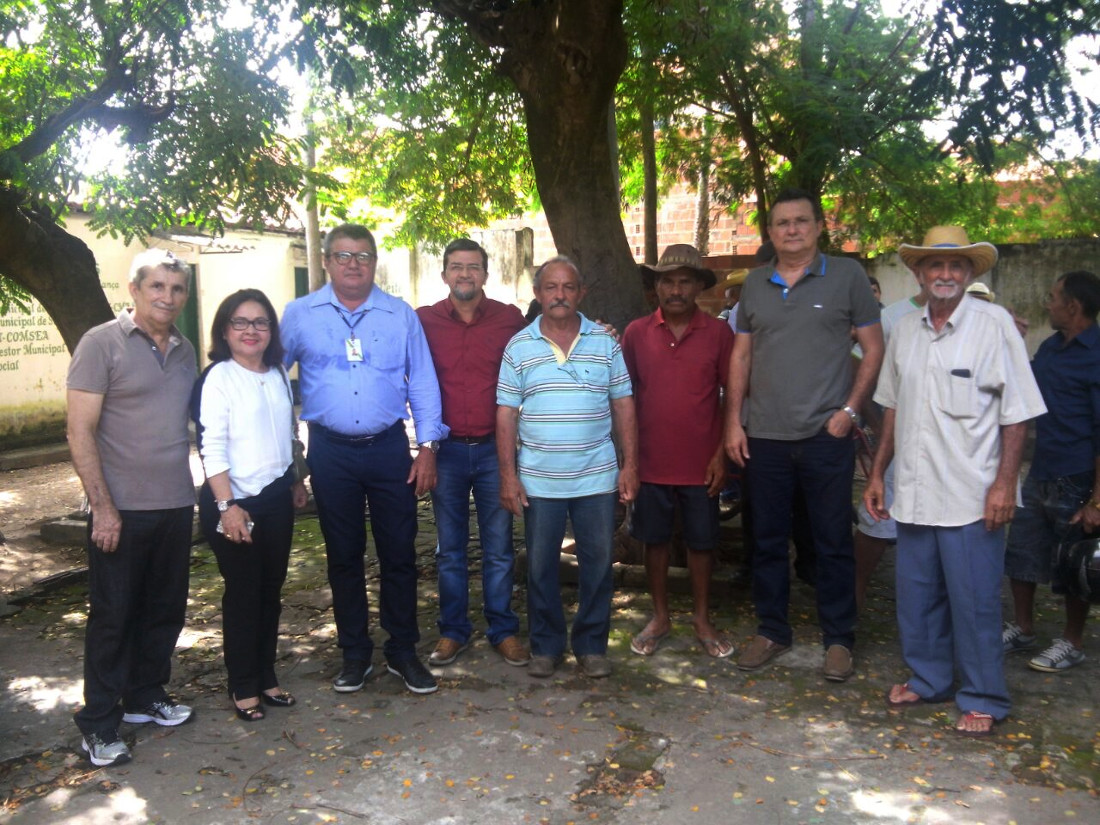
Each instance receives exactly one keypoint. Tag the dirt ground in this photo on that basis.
(28, 498)
(677, 737)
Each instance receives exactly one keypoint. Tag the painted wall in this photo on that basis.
(33, 357)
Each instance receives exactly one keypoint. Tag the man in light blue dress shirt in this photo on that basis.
(363, 362)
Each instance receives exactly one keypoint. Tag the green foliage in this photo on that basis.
(192, 106)
(838, 99)
(420, 121)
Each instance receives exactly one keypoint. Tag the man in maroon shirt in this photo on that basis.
(467, 333)
(678, 359)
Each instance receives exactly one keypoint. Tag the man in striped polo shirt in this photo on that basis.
(563, 385)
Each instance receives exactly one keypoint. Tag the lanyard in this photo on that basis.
(359, 316)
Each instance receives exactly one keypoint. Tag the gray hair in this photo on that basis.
(351, 231)
(558, 259)
(145, 262)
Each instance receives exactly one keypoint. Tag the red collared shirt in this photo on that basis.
(467, 360)
(676, 391)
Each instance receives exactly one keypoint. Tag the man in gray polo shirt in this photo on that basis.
(128, 388)
(791, 357)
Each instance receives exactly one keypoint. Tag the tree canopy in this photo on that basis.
(187, 116)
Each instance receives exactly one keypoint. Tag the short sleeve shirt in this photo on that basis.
(142, 433)
(676, 395)
(953, 390)
(801, 344)
(1067, 437)
(565, 422)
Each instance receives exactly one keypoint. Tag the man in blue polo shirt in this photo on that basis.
(791, 356)
(563, 385)
(1060, 498)
(363, 361)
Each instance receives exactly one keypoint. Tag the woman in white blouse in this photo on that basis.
(246, 507)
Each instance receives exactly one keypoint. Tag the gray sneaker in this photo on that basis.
(1058, 657)
(167, 713)
(1014, 639)
(106, 750)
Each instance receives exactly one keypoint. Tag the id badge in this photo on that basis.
(354, 348)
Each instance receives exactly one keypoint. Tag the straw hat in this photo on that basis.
(950, 240)
(678, 256)
(980, 290)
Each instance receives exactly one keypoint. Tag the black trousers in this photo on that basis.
(137, 601)
(254, 575)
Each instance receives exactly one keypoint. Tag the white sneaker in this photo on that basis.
(1058, 657)
(167, 713)
(106, 750)
(1014, 638)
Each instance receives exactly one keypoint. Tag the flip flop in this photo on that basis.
(975, 734)
(718, 647)
(904, 702)
(646, 644)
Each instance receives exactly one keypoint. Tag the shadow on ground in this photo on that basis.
(677, 737)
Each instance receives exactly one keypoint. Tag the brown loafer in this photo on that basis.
(759, 652)
(838, 663)
(513, 651)
(446, 652)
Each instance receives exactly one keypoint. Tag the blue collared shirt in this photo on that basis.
(1067, 437)
(362, 397)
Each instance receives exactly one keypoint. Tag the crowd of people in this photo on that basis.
(558, 421)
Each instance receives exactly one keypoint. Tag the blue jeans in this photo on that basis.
(461, 468)
(346, 477)
(822, 467)
(593, 520)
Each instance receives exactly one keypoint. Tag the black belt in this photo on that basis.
(357, 440)
(471, 439)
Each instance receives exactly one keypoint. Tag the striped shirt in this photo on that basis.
(565, 449)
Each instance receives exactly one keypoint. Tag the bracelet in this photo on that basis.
(851, 413)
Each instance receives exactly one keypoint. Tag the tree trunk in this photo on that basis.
(56, 268)
(646, 120)
(565, 59)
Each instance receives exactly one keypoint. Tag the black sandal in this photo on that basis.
(253, 713)
(282, 699)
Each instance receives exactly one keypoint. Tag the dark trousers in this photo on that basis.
(137, 599)
(346, 476)
(823, 467)
(253, 575)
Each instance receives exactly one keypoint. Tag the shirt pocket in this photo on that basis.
(387, 354)
(958, 393)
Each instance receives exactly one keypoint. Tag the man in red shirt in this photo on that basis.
(678, 359)
(467, 333)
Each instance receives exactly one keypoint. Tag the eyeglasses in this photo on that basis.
(344, 258)
(473, 269)
(797, 223)
(241, 324)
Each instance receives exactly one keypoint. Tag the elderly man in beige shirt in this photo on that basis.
(957, 391)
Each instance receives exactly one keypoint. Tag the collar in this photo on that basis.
(377, 299)
(955, 318)
(1089, 338)
(586, 326)
(128, 327)
(697, 320)
(447, 307)
(816, 267)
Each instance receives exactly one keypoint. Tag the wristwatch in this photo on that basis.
(431, 445)
(223, 506)
(852, 414)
